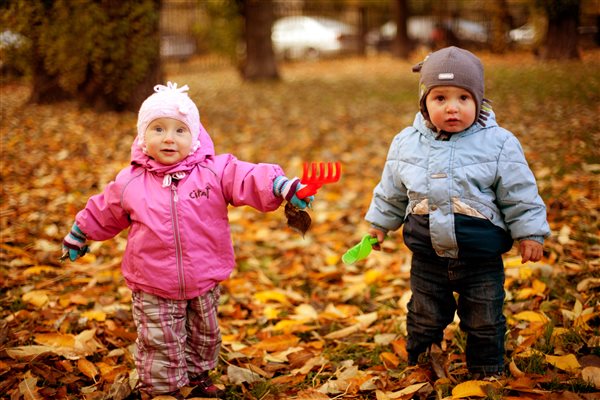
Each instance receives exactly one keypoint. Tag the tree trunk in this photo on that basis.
(561, 36)
(401, 44)
(153, 76)
(260, 58)
(501, 24)
(45, 88)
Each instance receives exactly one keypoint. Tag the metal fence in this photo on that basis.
(189, 27)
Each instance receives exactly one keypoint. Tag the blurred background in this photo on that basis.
(287, 81)
(108, 53)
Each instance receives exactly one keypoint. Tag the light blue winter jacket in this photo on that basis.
(465, 197)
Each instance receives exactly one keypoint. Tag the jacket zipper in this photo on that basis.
(177, 237)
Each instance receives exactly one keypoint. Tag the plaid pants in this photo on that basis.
(175, 338)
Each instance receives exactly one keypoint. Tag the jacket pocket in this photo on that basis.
(416, 234)
(480, 238)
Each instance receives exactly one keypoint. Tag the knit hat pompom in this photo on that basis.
(453, 66)
(169, 102)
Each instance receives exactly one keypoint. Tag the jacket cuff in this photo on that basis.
(537, 238)
(380, 228)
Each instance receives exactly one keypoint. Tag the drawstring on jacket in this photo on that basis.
(168, 179)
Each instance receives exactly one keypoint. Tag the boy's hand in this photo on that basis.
(379, 234)
(530, 250)
(74, 244)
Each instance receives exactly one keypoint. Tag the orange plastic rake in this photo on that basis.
(316, 175)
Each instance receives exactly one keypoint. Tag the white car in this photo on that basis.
(524, 34)
(311, 37)
(421, 30)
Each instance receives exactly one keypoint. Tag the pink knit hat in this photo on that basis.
(169, 102)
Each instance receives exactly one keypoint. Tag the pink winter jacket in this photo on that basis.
(179, 244)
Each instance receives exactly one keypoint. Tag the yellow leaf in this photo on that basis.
(513, 262)
(38, 269)
(87, 368)
(389, 359)
(271, 312)
(288, 325)
(272, 295)
(514, 370)
(372, 276)
(525, 293)
(278, 343)
(89, 258)
(469, 388)
(95, 315)
(38, 298)
(332, 259)
(531, 316)
(525, 272)
(567, 363)
(55, 339)
(537, 288)
(110, 372)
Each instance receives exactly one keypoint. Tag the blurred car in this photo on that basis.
(419, 29)
(177, 46)
(523, 35)
(10, 39)
(311, 37)
(426, 30)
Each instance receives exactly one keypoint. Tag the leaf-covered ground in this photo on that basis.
(297, 323)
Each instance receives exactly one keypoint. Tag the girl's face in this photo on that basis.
(168, 140)
(451, 109)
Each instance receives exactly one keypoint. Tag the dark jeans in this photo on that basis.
(480, 288)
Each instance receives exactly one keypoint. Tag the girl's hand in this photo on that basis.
(287, 188)
(74, 244)
(530, 250)
(380, 235)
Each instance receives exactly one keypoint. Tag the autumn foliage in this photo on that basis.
(297, 323)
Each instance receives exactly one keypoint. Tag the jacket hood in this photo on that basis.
(420, 123)
(206, 149)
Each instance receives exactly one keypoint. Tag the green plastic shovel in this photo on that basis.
(359, 251)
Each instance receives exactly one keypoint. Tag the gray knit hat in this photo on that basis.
(453, 66)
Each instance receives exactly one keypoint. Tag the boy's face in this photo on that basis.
(451, 109)
(168, 140)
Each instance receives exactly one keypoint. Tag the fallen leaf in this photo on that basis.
(38, 298)
(238, 375)
(28, 387)
(95, 315)
(271, 295)
(277, 343)
(567, 363)
(470, 389)
(87, 368)
(591, 375)
(389, 360)
(531, 316)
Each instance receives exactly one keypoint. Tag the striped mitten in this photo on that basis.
(287, 188)
(74, 244)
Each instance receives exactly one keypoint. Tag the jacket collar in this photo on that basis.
(420, 125)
